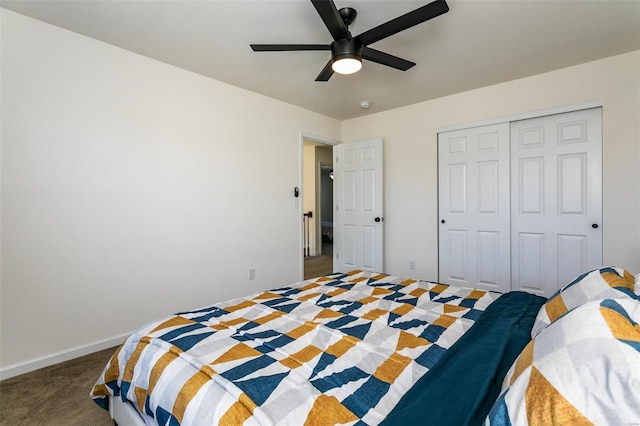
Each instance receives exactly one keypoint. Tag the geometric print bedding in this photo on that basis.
(604, 283)
(582, 369)
(337, 349)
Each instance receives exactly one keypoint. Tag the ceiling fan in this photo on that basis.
(347, 52)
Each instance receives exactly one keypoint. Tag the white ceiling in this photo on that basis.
(477, 43)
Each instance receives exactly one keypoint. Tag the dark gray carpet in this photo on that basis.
(57, 395)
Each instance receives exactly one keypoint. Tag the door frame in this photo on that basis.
(298, 201)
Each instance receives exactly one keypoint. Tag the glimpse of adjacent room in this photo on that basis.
(317, 215)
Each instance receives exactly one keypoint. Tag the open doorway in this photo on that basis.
(317, 208)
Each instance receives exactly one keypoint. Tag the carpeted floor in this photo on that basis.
(57, 395)
(317, 266)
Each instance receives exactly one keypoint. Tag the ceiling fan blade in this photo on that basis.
(331, 18)
(326, 72)
(401, 23)
(288, 47)
(386, 59)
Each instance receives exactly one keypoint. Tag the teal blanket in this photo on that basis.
(461, 388)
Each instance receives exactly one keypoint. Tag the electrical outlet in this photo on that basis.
(252, 273)
(412, 264)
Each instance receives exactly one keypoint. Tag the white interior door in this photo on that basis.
(556, 199)
(358, 205)
(474, 207)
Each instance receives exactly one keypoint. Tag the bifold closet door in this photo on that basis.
(556, 199)
(474, 233)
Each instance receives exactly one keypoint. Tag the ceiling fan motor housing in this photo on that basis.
(346, 48)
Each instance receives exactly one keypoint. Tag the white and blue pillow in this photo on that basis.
(581, 369)
(604, 283)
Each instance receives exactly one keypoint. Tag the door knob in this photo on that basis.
(378, 219)
(594, 226)
(442, 221)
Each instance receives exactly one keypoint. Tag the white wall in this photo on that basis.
(132, 189)
(411, 228)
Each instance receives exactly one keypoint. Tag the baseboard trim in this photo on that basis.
(58, 357)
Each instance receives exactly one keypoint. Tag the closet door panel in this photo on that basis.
(572, 184)
(457, 188)
(457, 256)
(530, 265)
(530, 190)
(572, 256)
(556, 192)
(474, 207)
(488, 196)
(488, 254)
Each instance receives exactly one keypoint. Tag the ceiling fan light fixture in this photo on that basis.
(347, 65)
(346, 56)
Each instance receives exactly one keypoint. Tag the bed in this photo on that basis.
(364, 348)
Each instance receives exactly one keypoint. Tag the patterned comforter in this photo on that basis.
(338, 349)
